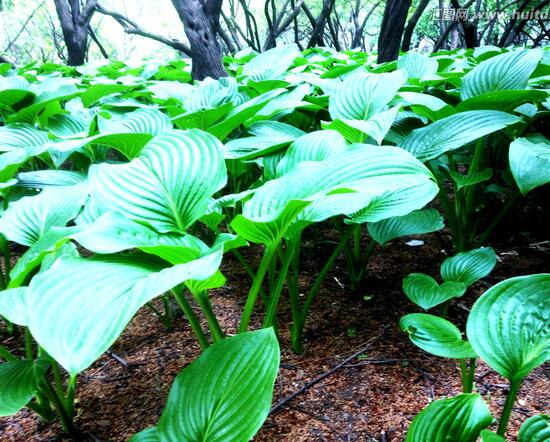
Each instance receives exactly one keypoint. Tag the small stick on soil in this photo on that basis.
(278, 406)
(117, 358)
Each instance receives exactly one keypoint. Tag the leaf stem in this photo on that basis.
(508, 405)
(191, 317)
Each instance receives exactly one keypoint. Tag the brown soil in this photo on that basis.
(374, 398)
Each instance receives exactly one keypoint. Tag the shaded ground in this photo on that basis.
(374, 398)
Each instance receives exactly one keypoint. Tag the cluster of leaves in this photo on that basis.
(126, 184)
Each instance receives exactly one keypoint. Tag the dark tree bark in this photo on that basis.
(320, 23)
(513, 29)
(75, 19)
(411, 25)
(357, 40)
(201, 20)
(277, 24)
(470, 30)
(391, 31)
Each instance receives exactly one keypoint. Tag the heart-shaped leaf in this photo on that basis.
(469, 267)
(425, 292)
(79, 307)
(168, 186)
(508, 325)
(436, 336)
(460, 418)
(224, 395)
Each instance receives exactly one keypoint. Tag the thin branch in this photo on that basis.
(10, 44)
(131, 27)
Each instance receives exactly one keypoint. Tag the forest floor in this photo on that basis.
(373, 398)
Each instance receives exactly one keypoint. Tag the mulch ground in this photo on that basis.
(373, 398)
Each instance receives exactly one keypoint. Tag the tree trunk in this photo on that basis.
(319, 29)
(201, 20)
(409, 29)
(512, 31)
(391, 31)
(74, 24)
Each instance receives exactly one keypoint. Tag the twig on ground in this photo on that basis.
(278, 406)
(117, 358)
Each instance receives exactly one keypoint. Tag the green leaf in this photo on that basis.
(14, 90)
(314, 146)
(271, 64)
(363, 95)
(508, 325)
(368, 182)
(417, 65)
(503, 72)
(425, 292)
(535, 429)
(79, 307)
(168, 186)
(267, 138)
(13, 305)
(471, 179)
(530, 162)
(19, 143)
(469, 267)
(148, 435)
(414, 223)
(436, 335)
(29, 218)
(450, 133)
(505, 101)
(18, 384)
(489, 436)
(224, 395)
(460, 418)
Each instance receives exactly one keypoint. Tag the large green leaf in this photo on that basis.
(507, 71)
(425, 292)
(530, 162)
(18, 384)
(417, 65)
(128, 134)
(14, 90)
(267, 138)
(271, 64)
(450, 133)
(224, 395)
(168, 186)
(314, 146)
(79, 307)
(508, 325)
(505, 101)
(469, 267)
(414, 223)
(29, 218)
(363, 95)
(19, 143)
(535, 429)
(460, 418)
(436, 336)
(13, 305)
(369, 183)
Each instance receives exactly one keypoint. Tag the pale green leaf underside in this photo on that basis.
(530, 162)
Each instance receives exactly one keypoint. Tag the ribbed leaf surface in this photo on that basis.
(530, 162)
(450, 133)
(436, 336)
(168, 186)
(507, 71)
(424, 291)
(469, 267)
(363, 95)
(414, 223)
(18, 384)
(535, 429)
(13, 305)
(417, 65)
(460, 418)
(508, 326)
(271, 64)
(224, 395)
(79, 307)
